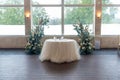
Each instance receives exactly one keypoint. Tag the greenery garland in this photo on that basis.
(85, 39)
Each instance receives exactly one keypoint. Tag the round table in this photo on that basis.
(60, 50)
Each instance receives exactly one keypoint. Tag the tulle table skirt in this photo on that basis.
(60, 50)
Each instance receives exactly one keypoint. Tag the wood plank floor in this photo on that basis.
(102, 65)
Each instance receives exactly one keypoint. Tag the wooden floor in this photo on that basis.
(102, 65)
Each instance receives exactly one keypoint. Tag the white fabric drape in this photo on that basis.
(59, 51)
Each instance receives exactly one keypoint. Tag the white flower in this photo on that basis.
(35, 43)
(83, 47)
(28, 43)
(90, 48)
(90, 44)
(33, 39)
(83, 43)
(33, 48)
(86, 39)
(38, 45)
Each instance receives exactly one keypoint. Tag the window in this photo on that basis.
(73, 15)
(110, 1)
(12, 17)
(11, 2)
(63, 14)
(44, 2)
(79, 1)
(110, 18)
(51, 9)
(77, 10)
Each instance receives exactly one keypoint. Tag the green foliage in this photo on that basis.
(105, 1)
(38, 13)
(34, 43)
(12, 16)
(75, 13)
(86, 13)
(86, 46)
(79, 1)
(109, 14)
(15, 15)
(72, 14)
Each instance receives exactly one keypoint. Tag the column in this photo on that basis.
(98, 16)
(27, 12)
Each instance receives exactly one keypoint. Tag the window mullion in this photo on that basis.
(62, 14)
(11, 5)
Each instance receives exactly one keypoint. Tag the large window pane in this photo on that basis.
(73, 15)
(11, 2)
(54, 14)
(78, 1)
(12, 21)
(110, 1)
(110, 21)
(46, 1)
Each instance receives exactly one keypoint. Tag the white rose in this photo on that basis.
(83, 47)
(33, 39)
(28, 43)
(33, 48)
(89, 47)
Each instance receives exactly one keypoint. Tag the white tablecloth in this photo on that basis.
(59, 51)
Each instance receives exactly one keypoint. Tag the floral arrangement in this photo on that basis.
(34, 43)
(85, 39)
